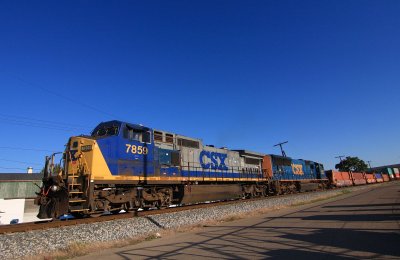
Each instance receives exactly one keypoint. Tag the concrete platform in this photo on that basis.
(22, 209)
(31, 211)
(362, 224)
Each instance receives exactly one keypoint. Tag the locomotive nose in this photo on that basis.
(79, 153)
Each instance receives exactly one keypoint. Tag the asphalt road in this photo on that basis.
(363, 224)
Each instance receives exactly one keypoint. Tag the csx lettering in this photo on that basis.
(136, 149)
(213, 160)
(297, 169)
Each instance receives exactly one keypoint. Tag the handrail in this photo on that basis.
(199, 172)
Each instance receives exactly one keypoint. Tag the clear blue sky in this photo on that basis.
(324, 75)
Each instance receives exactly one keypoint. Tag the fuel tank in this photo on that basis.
(203, 193)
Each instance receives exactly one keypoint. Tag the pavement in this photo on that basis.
(362, 224)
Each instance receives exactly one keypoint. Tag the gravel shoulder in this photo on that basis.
(82, 239)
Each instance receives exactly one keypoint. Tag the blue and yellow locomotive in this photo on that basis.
(129, 166)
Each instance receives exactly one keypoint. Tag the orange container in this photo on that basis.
(358, 178)
(370, 178)
(385, 177)
(339, 179)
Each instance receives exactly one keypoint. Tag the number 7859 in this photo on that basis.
(136, 149)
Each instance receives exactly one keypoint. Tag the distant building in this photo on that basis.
(19, 185)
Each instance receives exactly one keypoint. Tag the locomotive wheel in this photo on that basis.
(264, 192)
(165, 203)
(96, 215)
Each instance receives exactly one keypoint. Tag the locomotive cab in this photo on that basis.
(96, 169)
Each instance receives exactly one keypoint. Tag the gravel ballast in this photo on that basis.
(39, 242)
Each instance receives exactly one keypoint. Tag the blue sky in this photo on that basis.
(323, 75)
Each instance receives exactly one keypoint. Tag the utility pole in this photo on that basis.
(369, 163)
(282, 151)
(340, 157)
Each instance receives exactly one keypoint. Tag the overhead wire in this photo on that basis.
(26, 121)
(26, 149)
(22, 162)
(12, 168)
(32, 122)
(40, 123)
(41, 120)
(36, 85)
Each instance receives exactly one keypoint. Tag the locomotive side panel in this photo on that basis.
(286, 168)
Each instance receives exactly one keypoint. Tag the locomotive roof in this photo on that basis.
(250, 153)
(135, 126)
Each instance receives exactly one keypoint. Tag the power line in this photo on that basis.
(26, 149)
(7, 160)
(12, 168)
(44, 121)
(24, 121)
(29, 124)
(36, 85)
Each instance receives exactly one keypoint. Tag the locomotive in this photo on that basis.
(124, 166)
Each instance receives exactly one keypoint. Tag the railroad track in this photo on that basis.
(40, 225)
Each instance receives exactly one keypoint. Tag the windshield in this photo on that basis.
(106, 129)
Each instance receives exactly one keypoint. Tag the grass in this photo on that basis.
(341, 192)
(345, 191)
(80, 249)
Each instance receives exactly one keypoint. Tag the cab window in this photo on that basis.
(146, 137)
(137, 135)
(105, 130)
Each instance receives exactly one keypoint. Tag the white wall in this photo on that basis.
(11, 209)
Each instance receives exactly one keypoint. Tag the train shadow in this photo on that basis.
(319, 231)
(362, 217)
(364, 205)
(260, 241)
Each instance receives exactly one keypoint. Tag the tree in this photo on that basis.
(352, 164)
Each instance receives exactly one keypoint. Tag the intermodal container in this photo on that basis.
(378, 177)
(358, 178)
(385, 177)
(389, 172)
(370, 178)
(339, 179)
(396, 172)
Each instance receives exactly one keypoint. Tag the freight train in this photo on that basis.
(123, 166)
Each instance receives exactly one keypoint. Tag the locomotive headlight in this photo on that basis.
(55, 188)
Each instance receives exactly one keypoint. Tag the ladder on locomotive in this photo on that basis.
(76, 198)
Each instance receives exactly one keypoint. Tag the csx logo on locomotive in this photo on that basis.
(213, 160)
(297, 169)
